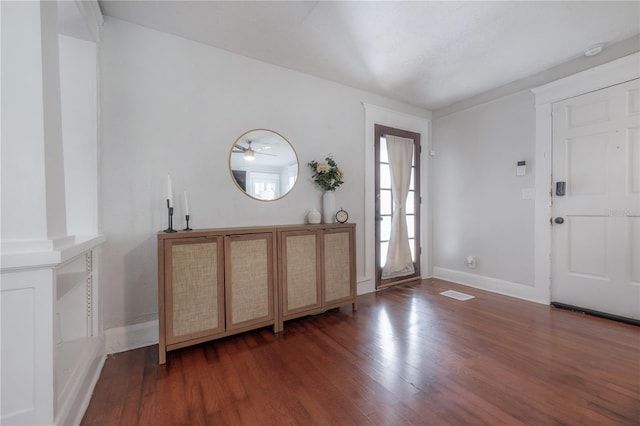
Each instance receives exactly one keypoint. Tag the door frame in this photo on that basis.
(380, 131)
(599, 77)
(419, 122)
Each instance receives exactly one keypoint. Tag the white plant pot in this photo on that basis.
(328, 206)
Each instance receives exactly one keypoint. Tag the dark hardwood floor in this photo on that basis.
(407, 356)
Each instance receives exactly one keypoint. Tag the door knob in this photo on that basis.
(559, 220)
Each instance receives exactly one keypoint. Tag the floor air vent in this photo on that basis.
(457, 295)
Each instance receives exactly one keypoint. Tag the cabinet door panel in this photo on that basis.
(249, 280)
(194, 289)
(300, 272)
(338, 266)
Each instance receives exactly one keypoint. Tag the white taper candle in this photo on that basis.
(169, 191)
(186, 203)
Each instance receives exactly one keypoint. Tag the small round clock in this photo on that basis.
(342, 216)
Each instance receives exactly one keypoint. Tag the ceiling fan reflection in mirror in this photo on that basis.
(249, 152)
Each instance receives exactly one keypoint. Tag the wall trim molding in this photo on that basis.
(366, 285)
(81, 388)
(613, 52)
(121, 339)
(37, 259)
(494, 285)
(135, 336)
(92, 16)
(605, 75)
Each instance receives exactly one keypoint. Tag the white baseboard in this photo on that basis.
(130, 337)
(368, 285)
(493, 285)
(365, 285)
(75, 399)
(136, 336)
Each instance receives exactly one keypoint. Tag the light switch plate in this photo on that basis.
(528, 193)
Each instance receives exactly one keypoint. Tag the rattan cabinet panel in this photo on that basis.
(338, 268)
(300, 271)
(249, 279)
(214, 283)
(317, 268)
(194, 289)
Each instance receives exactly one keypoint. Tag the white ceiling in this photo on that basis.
(427, 53)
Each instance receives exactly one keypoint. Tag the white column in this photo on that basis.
(33, 194)
(46, 380)
(33, 215)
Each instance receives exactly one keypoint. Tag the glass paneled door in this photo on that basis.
(388, 250)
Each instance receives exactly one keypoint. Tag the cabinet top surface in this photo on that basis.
(251, 230)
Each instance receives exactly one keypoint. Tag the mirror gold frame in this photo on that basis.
(263, 164)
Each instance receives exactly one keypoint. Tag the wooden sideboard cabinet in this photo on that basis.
(316, 268)
(217, 282)
(214, 283)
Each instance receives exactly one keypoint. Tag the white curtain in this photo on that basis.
(399, 262)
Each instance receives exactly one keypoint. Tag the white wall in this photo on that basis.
(478, 208)
(78, 92)
(170, 105)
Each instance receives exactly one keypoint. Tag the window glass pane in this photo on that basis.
(412, 244)
(411, 183)
(385, 201)
(384, 157)
(383, 253)
(264, 185)
(386, 204)
(411, 225)
(385, 228)
(385, 177)
(410, 202)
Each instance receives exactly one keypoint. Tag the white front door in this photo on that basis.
(596, 223)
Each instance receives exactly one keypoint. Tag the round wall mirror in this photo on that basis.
(263, 164)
